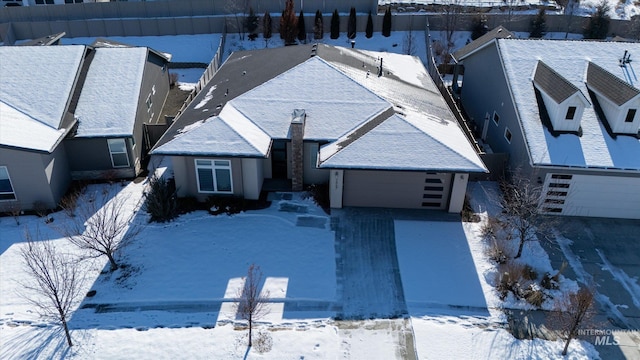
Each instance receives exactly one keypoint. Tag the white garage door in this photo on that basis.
(396, 189)
(592, 195)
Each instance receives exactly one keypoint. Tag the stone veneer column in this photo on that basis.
(297, 149)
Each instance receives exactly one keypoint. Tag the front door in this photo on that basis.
(279, 159)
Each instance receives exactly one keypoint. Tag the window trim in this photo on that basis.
(510, 137)
(213, 168)
(149, 102)
(496, 118)
(111, 153)
(13, 189)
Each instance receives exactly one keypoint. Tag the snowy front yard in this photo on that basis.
(173, 297)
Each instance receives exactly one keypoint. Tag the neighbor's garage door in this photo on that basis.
(591, 195)
(396, 189)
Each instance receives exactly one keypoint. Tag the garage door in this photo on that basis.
(591, 195)
(396, 189)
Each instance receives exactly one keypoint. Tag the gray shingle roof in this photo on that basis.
(609, 85)
(498, 33)
(552, 83)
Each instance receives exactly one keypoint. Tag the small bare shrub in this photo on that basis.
(15, 210)
(173, 79)
(534, 295)
(528, 273)
(42, 210)
(510, 279)
(263, 342)
(69, 202)
(492, 228)
(498, 252)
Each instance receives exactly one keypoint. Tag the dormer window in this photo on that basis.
(561, 99)
(571, 113)
(618, 99)
(631, 114)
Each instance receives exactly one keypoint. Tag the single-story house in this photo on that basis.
(566, 112)
(73, 111)
(371, 125)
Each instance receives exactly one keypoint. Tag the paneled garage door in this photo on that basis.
(396, 189)
(591, 195)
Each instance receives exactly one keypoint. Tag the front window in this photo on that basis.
(496, 118)
(118, 151)
(214, 176)
(6, 188)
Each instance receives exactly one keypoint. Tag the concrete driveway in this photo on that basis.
(605, 253)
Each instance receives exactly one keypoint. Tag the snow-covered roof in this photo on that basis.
(343, 98)
(402, 143)
(37, 83)
(334, 104)
(570, 59)
(228, 134)
(109, 99)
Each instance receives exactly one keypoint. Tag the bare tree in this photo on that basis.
(55, 277)
(452, 10)
(251, 302)
(409, 41)
(102, 227)
(520, 203)
(574, 313)
(237, 8)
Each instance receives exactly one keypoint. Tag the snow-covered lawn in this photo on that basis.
(448, 282)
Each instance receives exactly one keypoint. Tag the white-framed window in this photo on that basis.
(149, 103)
(507, 134)
(214, 176)
(6, 188)
(496, 118)
(118, 151)
(153, 89)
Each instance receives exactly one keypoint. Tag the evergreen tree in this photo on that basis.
(351, 28)
(479, 27)
(538, 25)
(598, 26)
(386, 22)
(318, 26)
(251, 23)
(267, 26)
(369, 30)
(335, 25)
(302, 31)
(289, 24)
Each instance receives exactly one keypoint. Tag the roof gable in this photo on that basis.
(37, 84)
(552, 83)
(609, 85)
(109, 99)
(400, 143)
(334, 104)
(497, 33)
(38, 80)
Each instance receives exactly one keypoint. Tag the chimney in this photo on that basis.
(297, 149)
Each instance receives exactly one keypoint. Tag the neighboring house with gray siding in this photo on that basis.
(313, 114)
(69, 112)
(567, 114)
